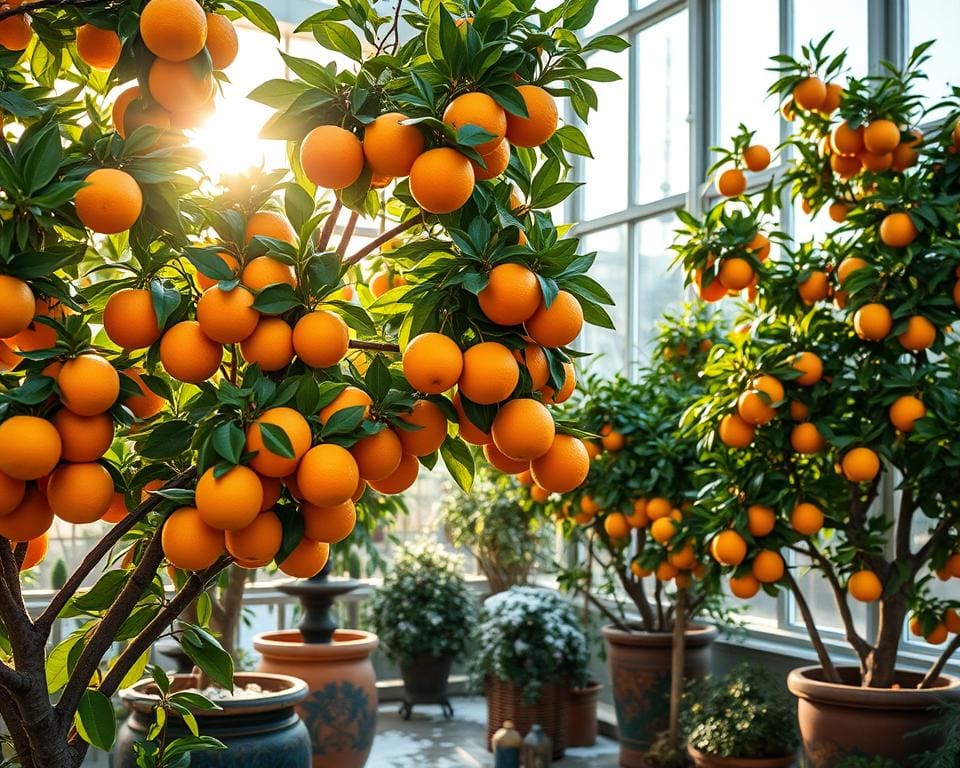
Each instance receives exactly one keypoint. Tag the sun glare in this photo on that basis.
(230, 142)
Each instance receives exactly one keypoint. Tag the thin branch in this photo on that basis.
(921, 556)
(829, 670)
(376, 346)
(11, 680)
(12, 610)
(607, 612)
(385, 237)
(347, 233)
(99, 551)
(658, 598)
(14, 722)
(931, 677)
(393, 30)
(329, 225)
(37, 5)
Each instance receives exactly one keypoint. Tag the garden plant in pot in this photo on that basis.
(197, 335)
(828, 427)
(744, 719)
(421, 614)
(631, 520)
(530, 651)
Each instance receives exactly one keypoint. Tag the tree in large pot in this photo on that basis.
(828, 429)
(421, 613)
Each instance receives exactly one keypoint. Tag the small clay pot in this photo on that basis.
(703, 760)
(845, 720)
(582, 715)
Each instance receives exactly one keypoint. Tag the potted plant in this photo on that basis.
(530, 650)
(420, 613)
(815, 406)
(743, 719)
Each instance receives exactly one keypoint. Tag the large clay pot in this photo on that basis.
(844, 720)
(639, 664)
(341, 711)
(582, 715)
(703, 760)
(264, 731)
(505, 702)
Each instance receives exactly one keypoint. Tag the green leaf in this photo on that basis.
(311, 73)
(102, 594)
(276, 299)
(459, 461)
(276, 440)
(43, 161)
(95, 720)
(257, 15)
(57, 666)
(204, 608)
(228, 441)
(136, 671)
(378, 379)
(573, 140)
(166, 300)
(207, 653)
(343, 422)
(293, 524)
(278, 94)
(338, 37)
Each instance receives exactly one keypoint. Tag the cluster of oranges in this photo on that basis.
(732, 182)
(947, 624)
(15, 31)
(441, 178)
(735, 272)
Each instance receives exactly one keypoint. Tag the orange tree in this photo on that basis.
(843, 371)
(181, 356)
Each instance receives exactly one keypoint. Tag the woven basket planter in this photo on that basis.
(505, 702)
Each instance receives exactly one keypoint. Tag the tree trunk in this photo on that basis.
(881, 662)
(676, 667)
(226, 622)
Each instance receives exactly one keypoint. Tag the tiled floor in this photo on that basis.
(426, 740)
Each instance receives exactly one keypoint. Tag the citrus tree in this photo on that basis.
(842, 374)
(197, 362)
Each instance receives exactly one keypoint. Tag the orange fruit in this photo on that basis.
(735, 274)
(768, 566)
(806, 438)
(17, 306)
(865, 586)
(612, 441)
(838, 211)
(541, 121)
(952, 620)
(937, 635)
(759, 246)
(227, 316)
(534, 359)
(832, 99)
(230, 501)
(848, 266)
(266, 270)
(349, 397)
(810, 93)
(663, 529)
(810, 367)
(815, 288)
(83, 438)
(735, 432)
(15, 31)
(146, 404)
(495, 162)
(117, 510)
(175, 86)
(321, 338)
(329, 524)
(129, 319)
(658, 507)
(770, 386)
(562, 468)
(876, 163)
(496, 458)
(753, 409)
(761, 520)
(745, 586)
(30, 447)
(713, 291)
(297, 430)
(99, 48)
(188, 542)
(845, 140)
(227, 258)
(490, 373)
(110, 202)
(806, 519)
(377, 455)
(897, 230)
(617, 527)
(881, 136)
(588, 506)
(269, 224)
(88, 384)
(956, 294)
(558, 325)
(906, 411)
(11, 493)
(846, 166)
(684, 558)
(860, 465)
(174, 29)
(256, 544)
(666, 572)
(80, 493)
(222, 43)
(920, 334)
(306, 560)
(272, 488)
(756, 157)
(728, 548)
(441, 180)
(731, 183)
(270, 345)
(328, 475)
(402, 478)
(8, 358)
(480, 110)
(511, 296)
(916, 626)
(432, 363)
(36, 551)
(32, 518)
(468, 431)
(331, 157)
(523, 429)
(872, 322)
(566, 389)
(391, 148)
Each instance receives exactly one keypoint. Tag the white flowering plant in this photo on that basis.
(424, 605)
(531, 637)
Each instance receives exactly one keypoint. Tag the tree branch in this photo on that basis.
(393, 30)
(14, 722)
(12, 610)
(376, 346)
(931, 677)
(385, 237)
(347, 233)
(329, 225)
(99, 551)
(829, 670)
(607, 612)
(36, 5)
(923, 554)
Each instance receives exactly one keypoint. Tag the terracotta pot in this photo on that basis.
(844, 720)
(264, 731)
(639, 664)
(702, 760)
(341, 711)
(505, 702)
(582, 715)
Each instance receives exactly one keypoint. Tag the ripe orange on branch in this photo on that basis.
(130, 320)
(294, 426)
(865, 586)
(735, 432)
(80, 493)
(480, 110)
(88, 384)
(906, 411)
(919, 335)
(328, 475)
(490, 373)
(256, 544)
(99, 48)
(222, 43)
(306, 560)
(230, 501)
(728, 548)
(175, 30)
(32, 517)
(402, 478)
(329, 524)
(188, 542)
(331, 157)
(83, 438)
(270, 345)
(441, 180)
(860, 465)
(496, 458)
(227, 316)
(391, 148)
(810, 93)
(432, 363)
(806, 519)
(541, 121)
(810, 367)
(321, 338)
(266, 270)
(898, 230)
(563, 467)
(187, 354)
(378, 455)
(511, 296)
(873, 322)
(17, 306)
(269, 224)
(768, 566)
(523, 429)
(176, 87)
(110, 202)
(557, 325)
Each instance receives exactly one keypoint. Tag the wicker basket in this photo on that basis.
(505, 702)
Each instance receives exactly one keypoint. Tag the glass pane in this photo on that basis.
(606, 173)
(930, 20)
(658, 286)
(761, 609)
(609, 348)
(816, 589)
(848, 22)
(663, 136)
(606, 14)
(749, 36)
